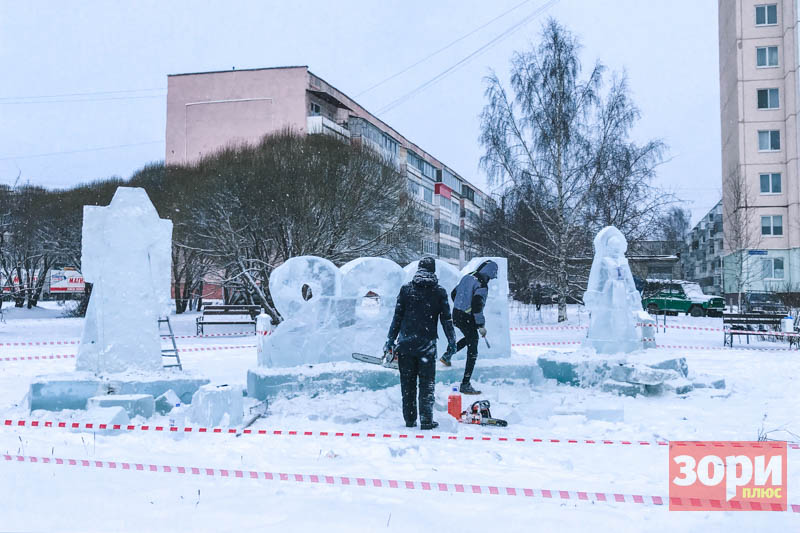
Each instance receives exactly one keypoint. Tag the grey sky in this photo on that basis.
(669, 50)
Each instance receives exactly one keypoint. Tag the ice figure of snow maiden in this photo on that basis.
(611, 296)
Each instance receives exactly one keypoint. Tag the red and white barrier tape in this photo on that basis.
(214, 348)
(546, 328)
(77, 341)
(553, 343)
(726, 348)
(660, 346)
(354, 481)
(72, 356)
(725, 330)
(364, 435)
(695, 328)
(235, 334)
(41, 343)
(38, 357)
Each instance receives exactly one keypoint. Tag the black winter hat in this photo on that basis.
(428, 264)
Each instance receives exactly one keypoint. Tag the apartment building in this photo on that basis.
(209, 110)
(758, 107)
(701, 257)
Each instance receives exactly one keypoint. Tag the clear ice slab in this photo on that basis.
(126, 255)
(339, 377)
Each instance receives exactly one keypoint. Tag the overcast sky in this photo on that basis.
(121, 53)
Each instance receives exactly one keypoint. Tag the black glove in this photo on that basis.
(388, 347)
(482, 331)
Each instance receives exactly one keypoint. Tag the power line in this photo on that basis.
(81, 94)
(86, 99)
(391, 105)
(442, 49)
(99, 148)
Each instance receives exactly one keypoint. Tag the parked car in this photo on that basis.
(763, 302)
(673, 297)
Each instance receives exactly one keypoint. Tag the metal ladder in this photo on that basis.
(169, 352)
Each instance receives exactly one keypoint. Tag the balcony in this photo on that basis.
(319, 124)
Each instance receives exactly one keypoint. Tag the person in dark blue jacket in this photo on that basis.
(469, 299)
(420, 304)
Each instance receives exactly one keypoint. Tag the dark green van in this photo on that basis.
(673, 297)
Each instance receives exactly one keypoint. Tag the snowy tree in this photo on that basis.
(741, 233)
(294, 195)
(25, 260)
(674, 225)
(562, 144)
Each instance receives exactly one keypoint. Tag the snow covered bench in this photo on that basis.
(212, 315)
(749, 324)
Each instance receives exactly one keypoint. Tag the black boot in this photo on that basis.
(432, 425)
(466, 388)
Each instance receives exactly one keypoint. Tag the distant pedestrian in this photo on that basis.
(537, 296)
(469, 300)
(420, 304)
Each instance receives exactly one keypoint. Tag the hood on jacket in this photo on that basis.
(486, 271)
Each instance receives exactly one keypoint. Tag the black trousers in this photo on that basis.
(465, 322)
(417, 368)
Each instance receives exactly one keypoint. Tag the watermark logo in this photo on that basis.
(727, 476)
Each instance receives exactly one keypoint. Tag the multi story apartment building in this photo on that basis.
(701, 257)
(209, 110)
(758, 107)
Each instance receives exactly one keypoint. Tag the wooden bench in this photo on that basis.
(213, 311)
(749, 324)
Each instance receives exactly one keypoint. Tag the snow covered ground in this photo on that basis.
(761, 395)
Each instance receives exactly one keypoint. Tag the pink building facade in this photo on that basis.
(210, 110)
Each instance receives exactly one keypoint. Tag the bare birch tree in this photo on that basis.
(741, 234)
(562, 143)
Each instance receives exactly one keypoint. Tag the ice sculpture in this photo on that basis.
(351, 307)
(126, 255)
(611, 297)
(382, 277)
(286, 284)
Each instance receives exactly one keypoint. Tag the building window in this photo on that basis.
(423, 166)
(315, 109)
(414, 189)
(772, 225)
(429, 247)
(769, 141)
(772, 268)
(448, 229)
(767, 56)
(380, 140)
(455, 208)
(427, 220)
(450, 179)
(770, 183)
(766, 15)
(449, 252)
(768, 99)
(427, 194)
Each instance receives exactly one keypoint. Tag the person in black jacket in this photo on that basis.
(419, 305)
(469, 299)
